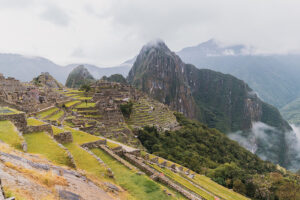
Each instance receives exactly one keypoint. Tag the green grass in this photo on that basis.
(70, 124)
(57, 130)
(71, 103)
(82, 158)
(82, 98)
(112, 145)
(34, 122)
(93, 116)
(81, 137)
(176, 177)
(9, 134)
(41, 143)
(8, 111)
(84, 105)
(139, 186)
(57, 116)
(85, 161)
(45, 113)
(215, 188)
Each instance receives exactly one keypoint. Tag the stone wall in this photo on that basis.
(118, 158)
(65, 137)
(19, 120)
(45, 127)
(140, 163)
(92, 145)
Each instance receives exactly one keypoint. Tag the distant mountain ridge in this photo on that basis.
(25, 68)
(274, 77)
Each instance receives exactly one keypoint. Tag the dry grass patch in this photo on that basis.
(47, 179)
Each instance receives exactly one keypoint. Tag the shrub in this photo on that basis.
(126, 109)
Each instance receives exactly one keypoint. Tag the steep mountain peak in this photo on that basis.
(79, 76)
(212, 43)
(157, 45)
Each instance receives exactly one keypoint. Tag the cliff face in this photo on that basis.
(219, 100)
(159, 72)
(79, 76)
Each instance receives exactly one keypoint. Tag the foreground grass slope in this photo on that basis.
(9, 134)
(139, 186)
(42, 143)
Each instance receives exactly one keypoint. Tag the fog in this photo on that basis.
(269, 143)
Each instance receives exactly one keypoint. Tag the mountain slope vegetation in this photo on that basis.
(209, 152)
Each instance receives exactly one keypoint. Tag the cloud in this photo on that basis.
(267, 142)
(55, 15)
(79, 52)
(19, 4)
(111, 31)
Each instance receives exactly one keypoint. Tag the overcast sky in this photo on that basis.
(108, 32)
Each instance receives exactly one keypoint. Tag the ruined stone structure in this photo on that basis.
(18, 119)
(140, 163)
(95, 144)
(65, 137)
(108, 97)
(26, 97)
(40, 128)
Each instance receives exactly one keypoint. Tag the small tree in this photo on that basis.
(126, 109)
(85, 87)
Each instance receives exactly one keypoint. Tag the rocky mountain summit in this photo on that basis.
(79, 76)
(46, 80)
(219, 100)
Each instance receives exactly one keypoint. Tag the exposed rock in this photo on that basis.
(66, 195)
(112, 187)
(46, 80)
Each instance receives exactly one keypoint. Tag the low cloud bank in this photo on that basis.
(272, 144)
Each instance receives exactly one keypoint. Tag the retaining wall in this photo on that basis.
(92, 145)
(65, 137)
(45, 127)
(139, 162)
(19, 120)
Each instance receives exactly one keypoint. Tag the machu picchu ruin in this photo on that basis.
(82, 137)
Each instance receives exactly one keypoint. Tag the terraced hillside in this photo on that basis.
(149, 112)
(101, 160)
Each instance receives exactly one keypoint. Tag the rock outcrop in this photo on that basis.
(46, 80)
